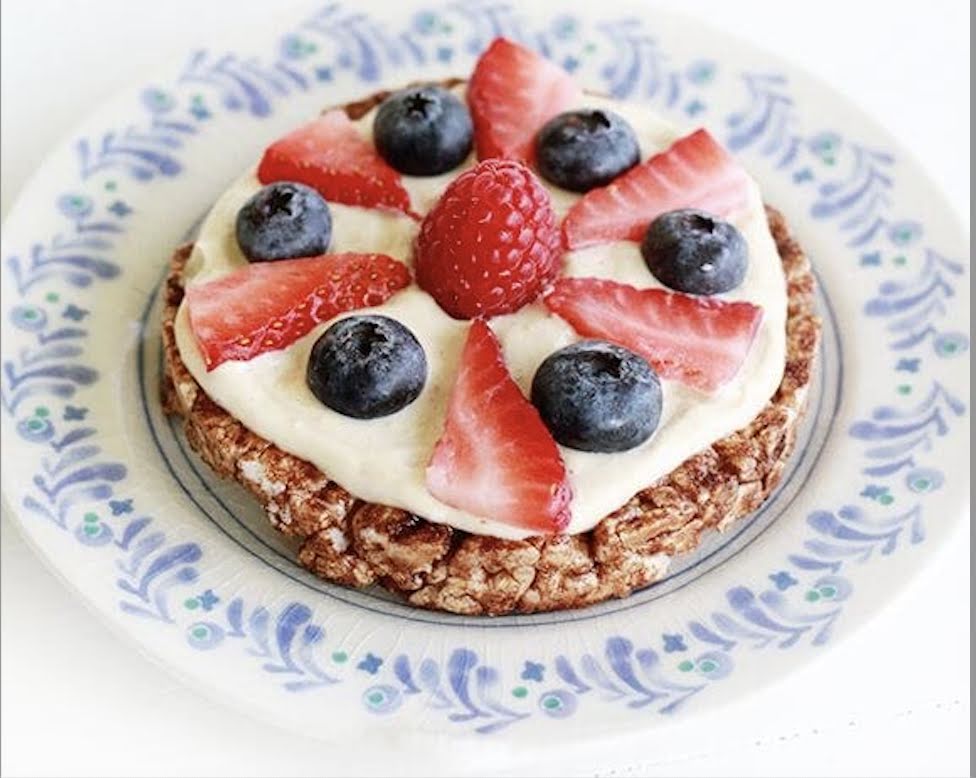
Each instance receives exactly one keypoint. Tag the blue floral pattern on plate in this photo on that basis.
(81, 487)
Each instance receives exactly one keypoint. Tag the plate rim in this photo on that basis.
(916, 173)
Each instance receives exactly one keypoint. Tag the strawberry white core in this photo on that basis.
(384, 460)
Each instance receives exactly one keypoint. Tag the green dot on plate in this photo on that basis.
(91, 529)
(828, 591)
(91, 517)
(686, 666)
(519, 691)
(551, 702)
(904, 389)
(886, 499)
(34, 424)
(707, 666)
(41, 411)
(190, 603)
(922, 483)
(375, 698)
(812, 596)
(52, 297)
(339, 656)
(110, 186)
(31, 314)
(200, 632)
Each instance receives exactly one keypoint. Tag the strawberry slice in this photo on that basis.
(512, 93)
(496, 458)
(267, 306)
(701, 342)
(695, 172)
(330, 155)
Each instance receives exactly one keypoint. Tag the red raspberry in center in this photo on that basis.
(491, 243)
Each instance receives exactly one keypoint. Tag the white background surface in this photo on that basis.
(76, 700)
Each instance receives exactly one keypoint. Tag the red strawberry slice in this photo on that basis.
(331, 156)
(269, 305)
(496, 458)
(701, 342)
(695, 172)
(512, 93)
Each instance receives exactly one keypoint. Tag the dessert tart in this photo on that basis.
(496, 345)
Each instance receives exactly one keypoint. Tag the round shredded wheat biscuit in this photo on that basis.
(356, 543)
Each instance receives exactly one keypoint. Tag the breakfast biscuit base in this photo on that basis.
(355, 543)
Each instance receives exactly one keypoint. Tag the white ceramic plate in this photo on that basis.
(108, 491)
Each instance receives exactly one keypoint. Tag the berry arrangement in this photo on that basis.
(491, 245)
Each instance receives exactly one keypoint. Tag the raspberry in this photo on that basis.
(491, 243)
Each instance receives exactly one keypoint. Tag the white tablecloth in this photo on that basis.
(853, 712)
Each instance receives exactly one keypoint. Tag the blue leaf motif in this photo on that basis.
(258, 627)
(862, 196)
(639, 69)
(488, 20)
(914, 306)
(146, 546)
(62, 333)
(618, 652)
(486, 678)
(243, 83)
(459, 666)
(565, 671)
(401, 669)
(827, 523)
(106, 471)
(768, 118)
(676, 693)
(132, 531)
(33, 505)
(77, 374)
(73, 437)
(732, 627)
(806, 563)
(72, 457)
(56, 351)
(430, 679)
(182, 554)
(129, 152)
(235, 617)
(592, 670)
(894, 432)
(312, 637)
(744, 602)
(706, 635)
(289, 621)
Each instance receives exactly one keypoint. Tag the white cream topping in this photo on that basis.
(383, 460)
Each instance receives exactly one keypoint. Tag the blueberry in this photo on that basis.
(284, 220)
(580, 150)
(695, 252)
(366, 367)
(596, 396)
(423, 131)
